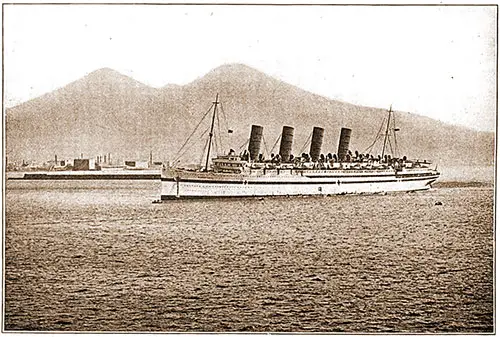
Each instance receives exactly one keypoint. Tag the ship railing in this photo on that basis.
(228, 157)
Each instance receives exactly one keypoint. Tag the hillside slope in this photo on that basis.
(106, 112)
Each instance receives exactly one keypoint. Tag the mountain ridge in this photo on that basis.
(105, 109)
(108, 73)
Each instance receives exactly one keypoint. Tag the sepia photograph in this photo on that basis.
(249, 168)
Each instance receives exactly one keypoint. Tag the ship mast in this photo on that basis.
(212, 130)
(387, 131)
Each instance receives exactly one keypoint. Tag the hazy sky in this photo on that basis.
(434, 61)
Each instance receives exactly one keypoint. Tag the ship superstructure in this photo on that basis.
(248, 174)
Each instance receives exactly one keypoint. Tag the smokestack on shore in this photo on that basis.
(286, 143)
(255, 140)
(345, 138)
(316, 142)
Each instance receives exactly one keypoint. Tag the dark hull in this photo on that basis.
(110, 176)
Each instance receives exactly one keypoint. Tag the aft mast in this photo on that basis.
(211, 130)
(387, 131)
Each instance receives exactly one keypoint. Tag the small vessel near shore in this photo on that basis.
(248, 174)
(94, 175)
(118, 174)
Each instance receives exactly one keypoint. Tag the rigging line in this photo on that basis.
(369, 148)
(244, 144)
(265, 145)
(387, 130)
(396, 154)
(203, 152)
(389, 141)
(220, 137)
(195, 129)
(226, 125)
(392, 134)
(276, 142)
(308, 140)
(187, 149)
(390, 145)
(219, 149)
(191, 135)
(191, 145)
(215, 145)
(224, 115)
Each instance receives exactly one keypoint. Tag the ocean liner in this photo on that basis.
(249, 174)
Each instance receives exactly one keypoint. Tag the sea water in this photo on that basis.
(100, 256)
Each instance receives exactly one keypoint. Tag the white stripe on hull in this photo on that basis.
(199, 189)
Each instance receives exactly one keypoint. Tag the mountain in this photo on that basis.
(107, 112)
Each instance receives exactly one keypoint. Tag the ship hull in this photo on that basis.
(208, 185)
